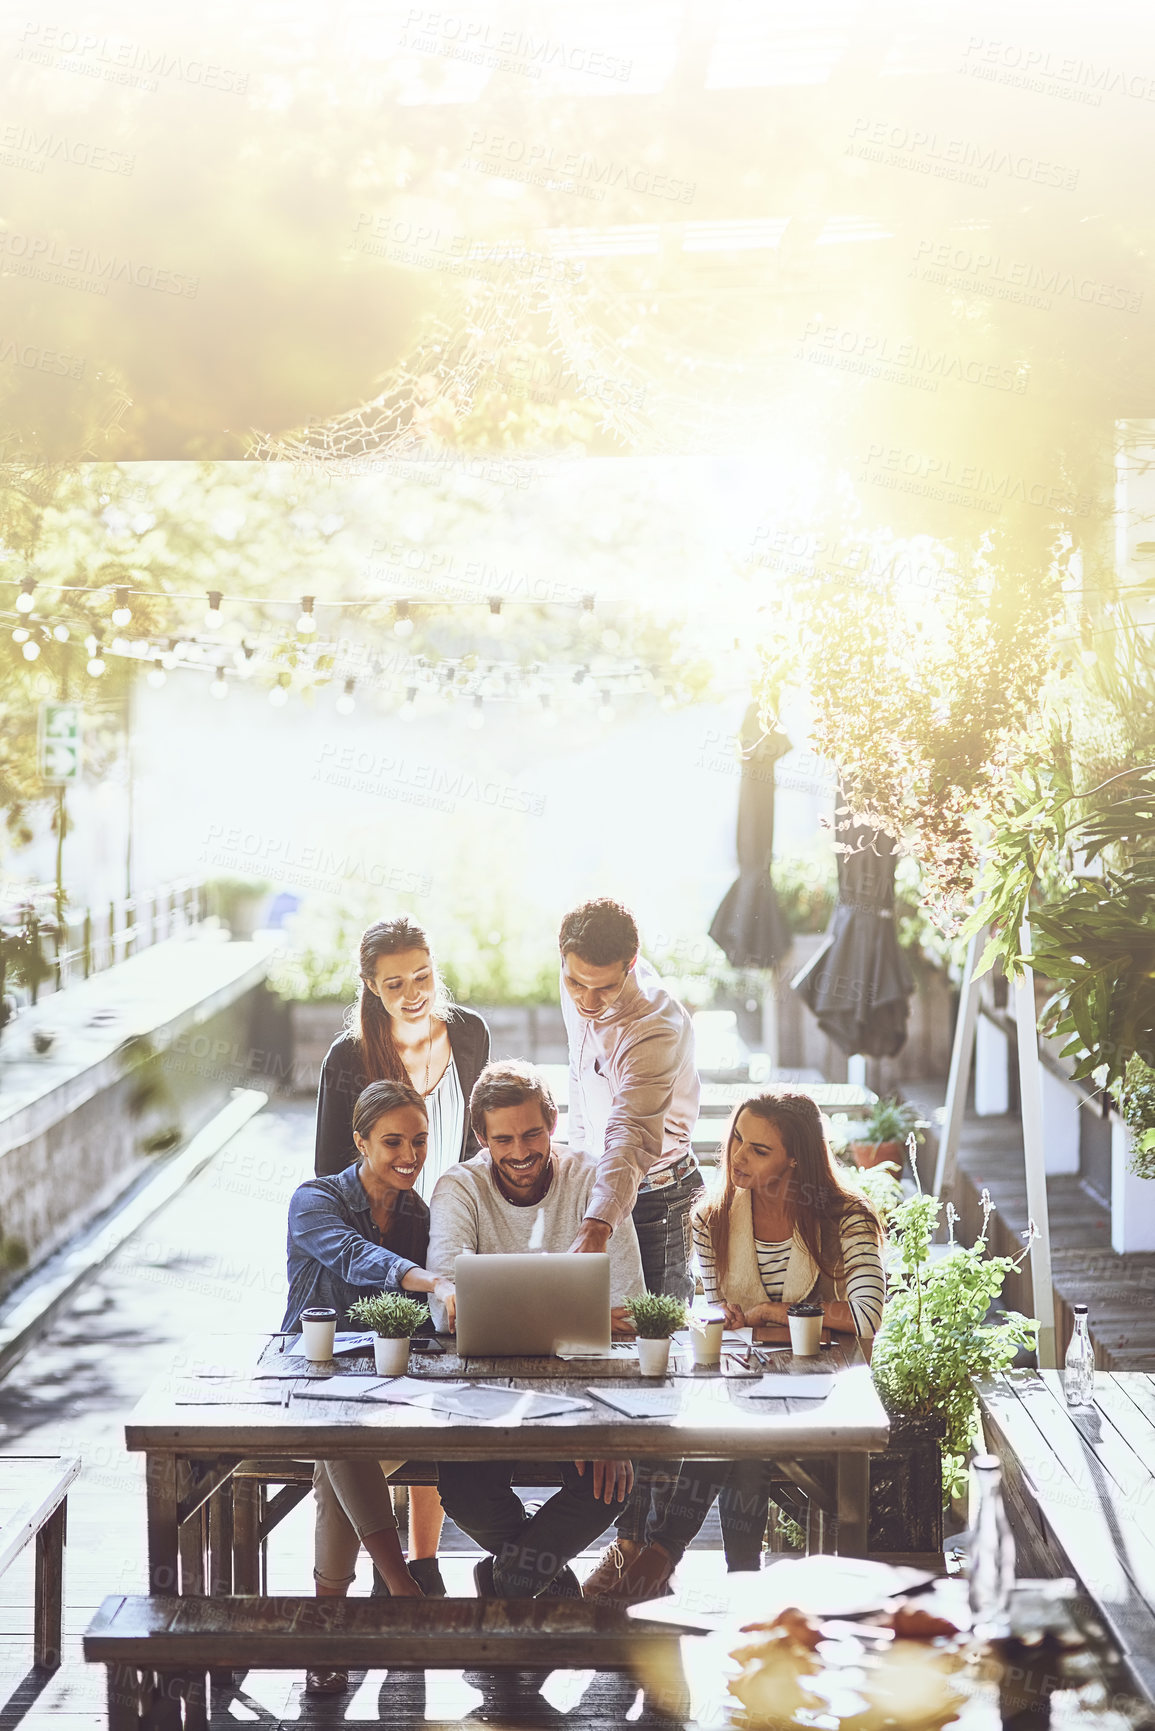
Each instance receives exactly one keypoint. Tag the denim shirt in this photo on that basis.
(337, 1254)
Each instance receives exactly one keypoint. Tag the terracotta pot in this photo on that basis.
(868, 1154)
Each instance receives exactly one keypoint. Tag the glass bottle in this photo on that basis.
(1079, 1365)
(992, 1554)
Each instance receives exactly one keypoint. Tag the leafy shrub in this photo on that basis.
(656, 1315)
(934, 1336)
(392, 1315)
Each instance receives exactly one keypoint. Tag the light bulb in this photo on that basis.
(605, 708)
(60, 632)
(96, 666)
(219, 687)
(279, 696)
(496, 617)
(409, 708)
(213, 613)
(347, 703)
(31, 651)
(25, 601)
(669, 701)
(611, 639)
(402, 624)
(121, 646)
(20, 635)
(169, 659)
(157, 675)
(586, 616)
(476, 717)
(92, 643)
(243, 657)
(548, 713)
(122, 612)
(306, 624)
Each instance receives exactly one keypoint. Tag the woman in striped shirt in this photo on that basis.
(781, 1228)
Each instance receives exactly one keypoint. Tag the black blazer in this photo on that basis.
(342, 1079)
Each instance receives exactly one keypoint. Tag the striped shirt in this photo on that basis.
(865, 1285)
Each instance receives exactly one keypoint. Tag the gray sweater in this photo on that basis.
(468, 1212)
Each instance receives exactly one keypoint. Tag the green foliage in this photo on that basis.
(892, 1120)
(879, 1185)
(392, 1315)
(807, 885)
(656, 1315)
(1136, 1098)
(934, 1336)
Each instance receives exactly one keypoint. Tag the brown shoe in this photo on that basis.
(608, 1569)
(645, 1575)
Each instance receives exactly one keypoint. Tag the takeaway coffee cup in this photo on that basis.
(318, 1326)
(805, 1329)
(706, 1336)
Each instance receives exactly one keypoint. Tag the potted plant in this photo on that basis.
(394, 1318)
(933, 1340)
(656, 1316)
(891, 1121)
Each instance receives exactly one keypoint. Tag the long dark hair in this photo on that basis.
(817, 1191)
(369, 1021)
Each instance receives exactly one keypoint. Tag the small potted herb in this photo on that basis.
(656, 1316)
(891, 1121)
(394, 1318)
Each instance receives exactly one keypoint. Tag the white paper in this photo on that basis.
(479, 1400)
(617, 1349)
(807, 1386)
(295, 1346)
(640, 1402)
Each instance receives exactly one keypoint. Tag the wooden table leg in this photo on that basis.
(246, 1547)
(853, 1503)
(192, 1544)
(125, 1688)
(163, 1539)
(49, 1601)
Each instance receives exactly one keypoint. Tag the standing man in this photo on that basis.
(633, 1104)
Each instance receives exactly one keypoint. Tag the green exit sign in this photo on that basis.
(60, 741)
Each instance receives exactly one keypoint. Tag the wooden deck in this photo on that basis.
(1118, 1290)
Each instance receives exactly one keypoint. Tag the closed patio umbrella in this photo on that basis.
(858, 983)
(748, 925)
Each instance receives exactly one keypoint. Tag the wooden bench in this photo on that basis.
(1079, 1485)
(34, 1505)
(159, 1651)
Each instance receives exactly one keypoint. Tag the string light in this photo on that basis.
(476, 717)
(96, 665)
(496, 618)
(61, 633)
(213, 613)
(611, 639)
(307, 622)
(347, 703)
(586, 616)
(279, 693)
(122, 612)
(409, 708)
(25, 601)
(156, 675)
(219, 687)
(31, 651)
(243, 659)
(20, 635)
(606, 708)
(548, 712)
(402, 623)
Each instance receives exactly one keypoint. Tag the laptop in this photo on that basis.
(532, 1305)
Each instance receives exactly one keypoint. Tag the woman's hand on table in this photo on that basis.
(735, 1316)
(762, 1315)
(445, 1293)
(621, 1322)
(613, 1480)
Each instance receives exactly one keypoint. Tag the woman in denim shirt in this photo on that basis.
(361, 1232)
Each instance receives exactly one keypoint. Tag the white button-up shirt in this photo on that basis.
(633, 1089)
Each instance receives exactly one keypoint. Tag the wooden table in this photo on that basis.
(1080, 1486)
(195, 1432)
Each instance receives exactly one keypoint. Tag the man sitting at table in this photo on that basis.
(519, 1195)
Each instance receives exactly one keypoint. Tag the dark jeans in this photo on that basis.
(743, 1490)
(662, 1222)
(529, 1550)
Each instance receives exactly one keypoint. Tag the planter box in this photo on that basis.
(313, 1029)
(906, 1488)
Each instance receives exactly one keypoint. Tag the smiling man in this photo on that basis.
(518, 1195)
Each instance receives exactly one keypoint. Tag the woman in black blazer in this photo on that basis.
(403, 1028)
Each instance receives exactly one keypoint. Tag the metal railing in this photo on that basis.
(88, 940)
